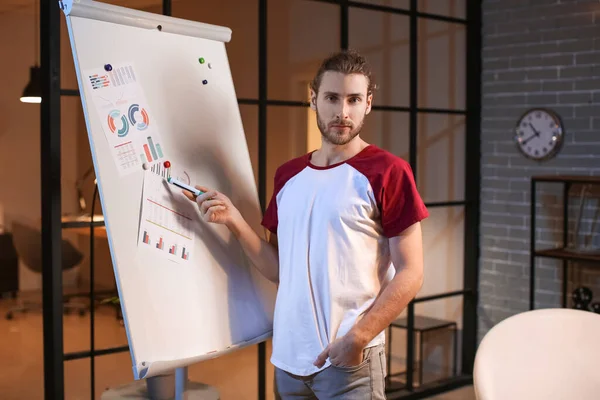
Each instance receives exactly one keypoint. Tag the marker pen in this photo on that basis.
(184, 186)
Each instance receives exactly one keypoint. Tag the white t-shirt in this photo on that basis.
(333, 225)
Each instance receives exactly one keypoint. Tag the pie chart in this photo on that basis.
(113, 116)
(143, 122)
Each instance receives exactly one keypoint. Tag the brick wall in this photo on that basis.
(535, 53)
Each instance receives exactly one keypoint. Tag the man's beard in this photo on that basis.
(335, 138)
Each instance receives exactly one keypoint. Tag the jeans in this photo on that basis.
(365, 381)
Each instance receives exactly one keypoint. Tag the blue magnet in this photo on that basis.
(108, 67)
(204, 82)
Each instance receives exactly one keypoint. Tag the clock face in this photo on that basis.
(539, 134)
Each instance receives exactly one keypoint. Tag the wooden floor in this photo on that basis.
(21, 352)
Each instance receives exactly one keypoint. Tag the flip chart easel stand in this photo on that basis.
(164, 387)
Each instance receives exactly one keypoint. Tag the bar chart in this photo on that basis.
(152, 151)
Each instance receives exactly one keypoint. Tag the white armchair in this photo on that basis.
(545, 354)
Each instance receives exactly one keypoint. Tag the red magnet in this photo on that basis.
(167, 164)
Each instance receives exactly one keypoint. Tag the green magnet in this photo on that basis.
(201, 60)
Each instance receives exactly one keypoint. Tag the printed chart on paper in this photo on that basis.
(166, 222)
(126, 117)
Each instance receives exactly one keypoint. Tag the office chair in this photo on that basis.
(545, 354)
(28, 243)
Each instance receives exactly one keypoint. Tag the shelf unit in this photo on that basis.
(422, 326)
(562, 252)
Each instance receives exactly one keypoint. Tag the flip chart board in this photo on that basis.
(156, 89)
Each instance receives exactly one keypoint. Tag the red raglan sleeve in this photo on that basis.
(270, 220)
(282, 175)
(401, 204)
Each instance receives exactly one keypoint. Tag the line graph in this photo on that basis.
(166, 224)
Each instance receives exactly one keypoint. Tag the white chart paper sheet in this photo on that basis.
(166, 220)
(126, 117)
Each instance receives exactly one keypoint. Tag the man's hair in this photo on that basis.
(346, 62)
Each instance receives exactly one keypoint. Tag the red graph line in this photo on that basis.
(170, 230)
(167, 208)
(122, 144)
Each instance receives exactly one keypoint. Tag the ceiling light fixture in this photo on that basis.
(33, 91)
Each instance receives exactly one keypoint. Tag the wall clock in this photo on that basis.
(539, 134)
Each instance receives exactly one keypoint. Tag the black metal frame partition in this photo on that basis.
(54, 356)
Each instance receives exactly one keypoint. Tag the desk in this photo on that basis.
(80, 224)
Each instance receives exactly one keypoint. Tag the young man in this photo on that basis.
(345, 246)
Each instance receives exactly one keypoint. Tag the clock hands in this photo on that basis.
(529, 138)
(536, 133)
